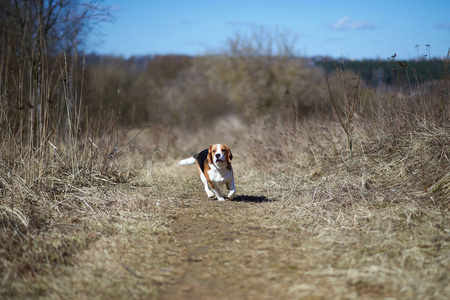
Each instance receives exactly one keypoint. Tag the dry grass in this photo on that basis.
(91, 211)
(304, 225)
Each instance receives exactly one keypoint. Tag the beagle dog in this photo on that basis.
(214, 167)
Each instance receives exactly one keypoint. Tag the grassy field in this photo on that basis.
(342, 190)
(306, 223)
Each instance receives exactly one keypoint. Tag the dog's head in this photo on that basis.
(220, 155)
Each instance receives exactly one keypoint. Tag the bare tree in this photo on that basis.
(34, 31)
(56, 23)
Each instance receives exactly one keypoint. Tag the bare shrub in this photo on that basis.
(248, 79)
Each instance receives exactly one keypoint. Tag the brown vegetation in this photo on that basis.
(91, 208)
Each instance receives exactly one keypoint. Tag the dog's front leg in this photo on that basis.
(208, 191)
(216, 191)
(231, 188)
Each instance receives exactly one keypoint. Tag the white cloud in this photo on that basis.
(242, 24)
(115, 7)
(185, 23)
(345, 23)
(443, 25)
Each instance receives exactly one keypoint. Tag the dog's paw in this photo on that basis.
(210, 194)
(221, 199)
(230, 195)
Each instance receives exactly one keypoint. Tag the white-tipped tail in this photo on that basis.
(188, 161)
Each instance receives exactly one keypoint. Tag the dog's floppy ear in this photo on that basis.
(229, 155)
(209, 157)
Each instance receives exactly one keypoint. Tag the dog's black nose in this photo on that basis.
(217, 155)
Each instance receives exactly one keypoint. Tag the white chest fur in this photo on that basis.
(220, 175)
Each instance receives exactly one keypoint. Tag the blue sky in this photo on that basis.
(353, 29)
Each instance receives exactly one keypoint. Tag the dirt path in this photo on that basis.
(188, 247)
(222, 254)
(225, 250)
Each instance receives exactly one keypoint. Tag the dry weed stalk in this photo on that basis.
(348, 109)
(115, 151)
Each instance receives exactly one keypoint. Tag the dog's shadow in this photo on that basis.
(253, 199)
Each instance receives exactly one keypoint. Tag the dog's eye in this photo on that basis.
(214, 151)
